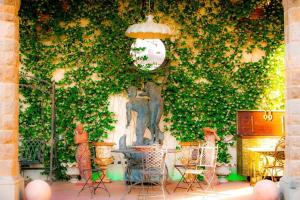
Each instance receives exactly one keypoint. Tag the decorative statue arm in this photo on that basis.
(128, 113)
(142, 94)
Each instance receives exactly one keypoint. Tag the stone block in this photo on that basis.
(9, 108)
(9, 44)
(293, 153)
(293, 76)
(8, 137)
(294, 31)
(8, 12)
(293, 168)
(9, 122)
(9, 91)
(293, 54)
(289, 187)
(292, 142)
(293, 93)
(8, 58)
(8, 151)
(292, 130)
(8, 29)
(293, 106)
(9, 74)
(287, 4)
(9, 167)
(294, 14)
(11, 188)
(293, 119)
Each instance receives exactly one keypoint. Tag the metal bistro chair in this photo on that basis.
(90, 183)
(278, 160)
(187, 162)
(32, 153)
(206, 167)
(153, 173)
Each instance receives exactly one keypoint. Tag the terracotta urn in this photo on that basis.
(104, 157)
(223, 170)
(256, 14)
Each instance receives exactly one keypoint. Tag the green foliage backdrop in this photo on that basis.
(207, 81)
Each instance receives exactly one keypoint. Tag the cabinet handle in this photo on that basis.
(282, 125)
(252, 124)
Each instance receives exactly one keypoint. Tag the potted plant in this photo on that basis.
(72, 171)
(223, 170)
(223, 164)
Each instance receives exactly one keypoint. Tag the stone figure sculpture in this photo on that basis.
(83, 154)
(156, 110)
(141, 107)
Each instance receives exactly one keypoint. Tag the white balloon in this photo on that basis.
(148, 54)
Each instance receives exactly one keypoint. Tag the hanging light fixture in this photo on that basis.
(148, 30)
(148, 51)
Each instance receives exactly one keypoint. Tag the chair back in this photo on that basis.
(155, 160)
(208, 156)
(279, 149)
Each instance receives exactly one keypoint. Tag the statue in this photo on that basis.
(140, 106)
(83, 154)
(156, 110)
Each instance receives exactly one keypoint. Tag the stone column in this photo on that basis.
(290, 183)
(11, 183)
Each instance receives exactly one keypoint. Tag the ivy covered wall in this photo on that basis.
(222, 60)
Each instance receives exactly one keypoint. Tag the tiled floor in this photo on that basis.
(227, 191)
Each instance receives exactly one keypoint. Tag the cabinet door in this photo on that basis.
(260, 123)
(244, 123)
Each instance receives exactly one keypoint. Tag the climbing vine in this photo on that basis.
(221, 61)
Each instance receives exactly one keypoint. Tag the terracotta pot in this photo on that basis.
(104, 157)
(257, 14)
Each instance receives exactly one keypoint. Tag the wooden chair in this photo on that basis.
(205, 166)
(187, 163)
(277, 162)
(91, 184)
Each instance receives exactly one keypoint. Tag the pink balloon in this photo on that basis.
(38, 190)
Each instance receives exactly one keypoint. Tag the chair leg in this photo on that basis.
(103, 184)
(83, 187)
(182, 179)
(191, 183)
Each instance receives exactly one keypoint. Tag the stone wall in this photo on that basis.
(10, 181)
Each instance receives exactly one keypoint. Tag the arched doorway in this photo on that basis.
(10, 180)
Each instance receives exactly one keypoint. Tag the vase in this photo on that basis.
(223, 171)
(73, 173)
(104, 157)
